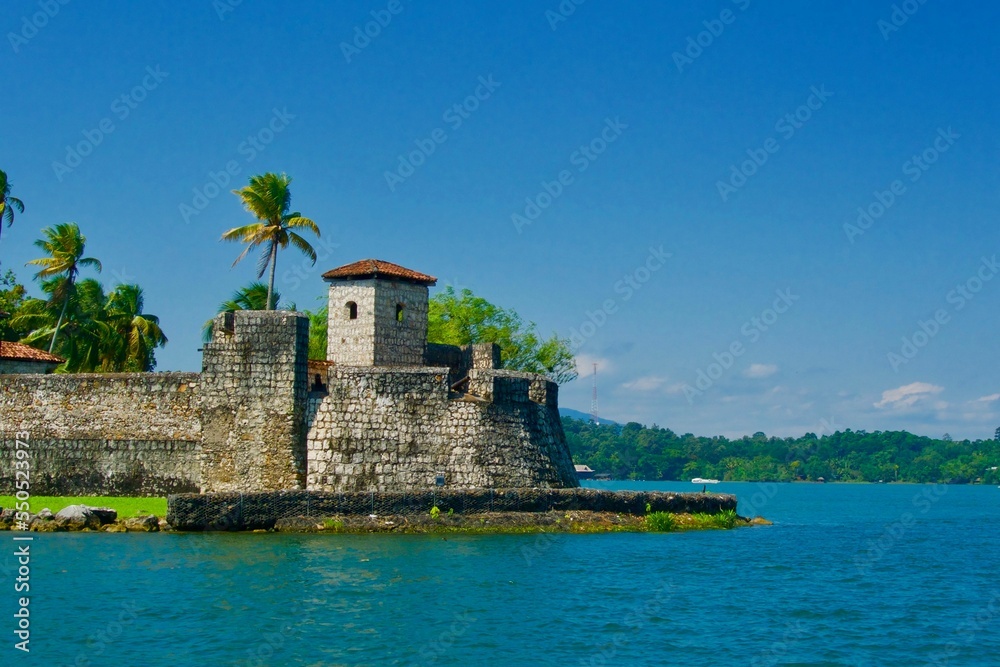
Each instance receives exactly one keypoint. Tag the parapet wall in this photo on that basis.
(402, 428)
(114, 434)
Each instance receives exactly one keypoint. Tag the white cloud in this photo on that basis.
(647, 383)
(757, 371)
(585, 365)
(907, 395)
(988, 399)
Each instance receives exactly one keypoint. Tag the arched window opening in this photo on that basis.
(399, 312)
(352, 310)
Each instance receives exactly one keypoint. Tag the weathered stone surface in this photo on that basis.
(105, 514)
(46, 514)
(248, 422)
(249, 511)
(114, 528)
(48, 526)
(143, 524)
(298, 524)
(77, 517)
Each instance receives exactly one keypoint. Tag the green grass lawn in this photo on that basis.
(126, 506)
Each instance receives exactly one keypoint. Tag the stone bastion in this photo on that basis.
(386, 411)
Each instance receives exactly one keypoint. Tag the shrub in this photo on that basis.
(660, 522)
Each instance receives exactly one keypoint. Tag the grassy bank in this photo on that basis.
(126, 507)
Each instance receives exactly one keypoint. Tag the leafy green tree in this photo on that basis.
(269, 199)
(132, 335)
(8, 202)
(65, 245)
(12, 296)
(102, 333)
(253, 296)
(318, 320)
(464, 318)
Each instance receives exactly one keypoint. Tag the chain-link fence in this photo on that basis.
(249, 511)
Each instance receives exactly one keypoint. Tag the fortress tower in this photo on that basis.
(378, 314)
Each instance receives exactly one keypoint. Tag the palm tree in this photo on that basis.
(65, 245)
(8, 203)
(249, 297)
(268, 198)
(132, 334)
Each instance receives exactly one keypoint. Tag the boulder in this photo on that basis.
(78, 517)
(114, 528)
(47, 526)
(105, 514)
(298, 524)
(143, 524)
(7, 519)
(46, 514)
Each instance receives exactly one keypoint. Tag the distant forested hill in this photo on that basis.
(634, 451)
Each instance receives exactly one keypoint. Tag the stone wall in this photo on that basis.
(380, 429)
(255, 385)
(246, 511)
(114, 434)
(389, 327)
(24, 367)
(249, 423)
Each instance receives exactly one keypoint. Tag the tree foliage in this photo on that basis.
(8, 202)
(269, 198)
(464, 318)
(64, 246)
(634, 451)
(101, 333)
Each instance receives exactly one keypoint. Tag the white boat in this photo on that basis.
(701, 480)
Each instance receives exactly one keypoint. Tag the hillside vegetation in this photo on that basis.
(634, 451)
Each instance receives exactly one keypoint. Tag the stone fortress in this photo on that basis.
(386, 411)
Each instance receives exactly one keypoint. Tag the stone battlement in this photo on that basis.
(386, 411)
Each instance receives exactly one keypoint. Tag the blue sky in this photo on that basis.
(669, 185)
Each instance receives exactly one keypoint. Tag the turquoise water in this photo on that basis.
(848, 575)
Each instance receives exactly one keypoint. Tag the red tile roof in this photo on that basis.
(376, 268)
(23, 352)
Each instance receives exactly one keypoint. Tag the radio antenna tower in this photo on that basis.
(593, 399)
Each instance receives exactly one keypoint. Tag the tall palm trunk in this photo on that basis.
(62, 315)
(270, 282)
